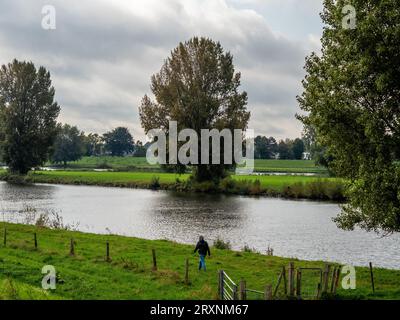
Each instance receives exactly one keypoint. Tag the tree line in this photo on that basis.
(269, 148)
(71, 144)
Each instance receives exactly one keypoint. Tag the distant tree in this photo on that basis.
(351, 97)
(272, 147)
(197, 87)
(261, 148)
(94, 144)
(119, 141)
(297, 148)
(28, 115)
(69, 145)
(284, 150)
(265, 148)
(140, 149)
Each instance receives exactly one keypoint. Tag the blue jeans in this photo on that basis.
(202, 262)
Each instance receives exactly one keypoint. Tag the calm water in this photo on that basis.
(301, 229)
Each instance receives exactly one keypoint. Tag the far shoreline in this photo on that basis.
(285, 187)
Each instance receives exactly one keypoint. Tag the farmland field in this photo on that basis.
(140, 163)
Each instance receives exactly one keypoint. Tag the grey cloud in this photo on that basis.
(103, 53)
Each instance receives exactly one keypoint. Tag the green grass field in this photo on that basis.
(309, 187)
(137, 163)
(129, 275)
(89, 177)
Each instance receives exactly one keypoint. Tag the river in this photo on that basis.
(300, 229)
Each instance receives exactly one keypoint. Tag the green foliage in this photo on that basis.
(221, 244)
(298, 148)
(28, 115)
(316, 190)
(155, 183)
(351, 95)
(247, 248)
(94, 145)
(197, 87)
(119, 141)
(69, 144)
(285, 149)
(265, 148)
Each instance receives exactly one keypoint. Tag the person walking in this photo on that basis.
(203, 248)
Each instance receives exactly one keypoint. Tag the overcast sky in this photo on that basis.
(102, 53)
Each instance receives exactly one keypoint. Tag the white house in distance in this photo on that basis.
(306, 156)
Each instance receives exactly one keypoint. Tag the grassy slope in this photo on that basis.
(129, 274)
(300, 166)
(144, 178)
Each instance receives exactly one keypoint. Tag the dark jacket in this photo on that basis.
(203, 248)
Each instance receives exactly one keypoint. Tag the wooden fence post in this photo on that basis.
(325, 278)
(298, 283)
(336, 280)
(284, 280)
(333, 279)
(35, 240)
(221, 284)
(154, 260)
(5, 236)
(235, 292)
(318, 295)
(268, 292)
(291, 279)
(372, 277)
(108, 251)
(242, 290)
(278, 283)
(72, 248)
(187, 271)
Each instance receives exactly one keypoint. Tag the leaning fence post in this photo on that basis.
(336, 280)
(372, 277)
(35, 240)
(72, 248)
(187, 271)
(154, 259)
(277, 284)
(242, 290)
(221, 284)
(291, 279)
(268, 292)
(298, 284)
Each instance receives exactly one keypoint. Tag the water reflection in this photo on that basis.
(302, 229)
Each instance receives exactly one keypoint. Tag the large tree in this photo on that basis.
(69, 144)
(119, 141)
(352, 99)
(198, 87)
(28, 115)
(94, 144)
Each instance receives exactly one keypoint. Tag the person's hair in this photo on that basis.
(201, 238)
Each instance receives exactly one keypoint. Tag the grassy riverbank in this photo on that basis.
(308, 187)
(129, 274)
(140, 163)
